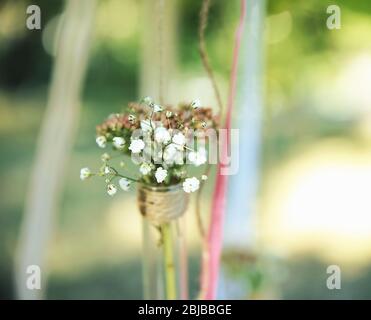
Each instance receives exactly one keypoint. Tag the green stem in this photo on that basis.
(126, 177)
(184, 146)
(122, 176)
(169, 262)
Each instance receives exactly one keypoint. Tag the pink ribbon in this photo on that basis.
(213, 246)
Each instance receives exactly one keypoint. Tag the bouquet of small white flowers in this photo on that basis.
(162, 142)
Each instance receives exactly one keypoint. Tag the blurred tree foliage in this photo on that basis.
(295, 68)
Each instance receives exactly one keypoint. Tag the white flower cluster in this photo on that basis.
(168, 144)
(162, 135)
(107, 171)
(118, 142)
(136, 145)
(123, 183)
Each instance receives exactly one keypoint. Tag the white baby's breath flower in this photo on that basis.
(196, 103)
(157, 108)
(162, 135)
(111, 189)
(105, 157)
(160, 174)
(169, 114)
(179, 139)
(146, 126)
(118, 142)
(197, 158)
(124, 184)
(85, 173)
(191, 184)
(169, 152)
(101, 141)
(136, 145)
(147, 100)
(173, 155)
(145, 168)
(131, 118)
(204, 177)
(107, 170)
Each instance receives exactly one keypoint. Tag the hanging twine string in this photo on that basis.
(160, 45)
(204, 14)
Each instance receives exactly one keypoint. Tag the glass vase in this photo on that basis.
(165, 261)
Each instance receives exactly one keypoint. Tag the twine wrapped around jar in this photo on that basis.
(162, 204)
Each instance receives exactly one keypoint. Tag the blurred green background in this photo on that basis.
(314, 203)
